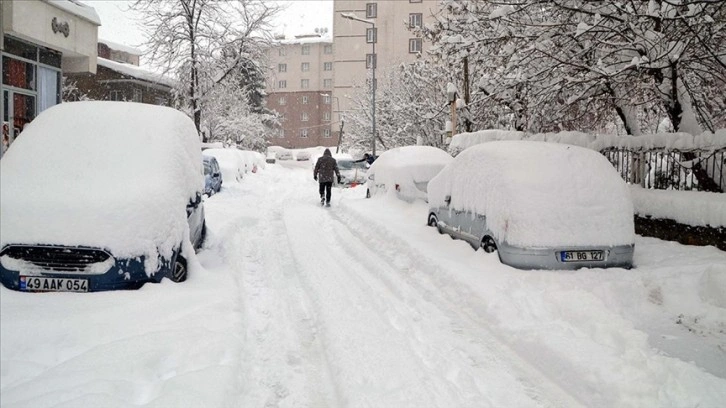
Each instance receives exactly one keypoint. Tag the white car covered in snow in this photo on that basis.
(540, 205)
(230, 162)
(406, 171)
(100, 195)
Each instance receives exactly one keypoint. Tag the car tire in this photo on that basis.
(434, 222)
(179, 270)
(488, 244)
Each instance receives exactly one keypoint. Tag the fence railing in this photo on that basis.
(664, 169)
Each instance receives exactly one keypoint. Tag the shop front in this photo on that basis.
(40, 41)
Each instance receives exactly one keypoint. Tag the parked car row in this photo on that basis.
(113, 199)
(538, 205)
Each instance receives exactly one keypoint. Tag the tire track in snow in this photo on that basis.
(463, 368)
(281, 362)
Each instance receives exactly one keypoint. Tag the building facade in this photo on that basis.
(391, 34)
(299, 87)
(39, 42)
(119, 78)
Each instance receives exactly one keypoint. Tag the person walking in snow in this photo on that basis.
(325, 169)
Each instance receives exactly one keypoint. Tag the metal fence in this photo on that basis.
(663, 169)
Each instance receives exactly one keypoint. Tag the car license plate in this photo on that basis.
(45, 284)
(581, 256)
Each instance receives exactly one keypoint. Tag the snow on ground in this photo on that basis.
(362, 305)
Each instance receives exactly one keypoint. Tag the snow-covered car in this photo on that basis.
(270, 158)
(351, 173)
(253, 161)
(283, 155)
(539, 205)
(112, 200)
(212, 176)
(230, 162)
(302, 155)
(406, 171)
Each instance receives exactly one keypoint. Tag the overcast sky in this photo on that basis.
(300, 16)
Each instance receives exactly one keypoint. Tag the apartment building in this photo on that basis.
(394, 42)
(299, 87)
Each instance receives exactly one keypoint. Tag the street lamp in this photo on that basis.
(340, 118)
(351, 16)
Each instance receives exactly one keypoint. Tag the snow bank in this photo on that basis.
(686, 207)
(538, 194)
(675, 141)
(115, 175)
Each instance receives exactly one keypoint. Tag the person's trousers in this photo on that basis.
(325, 188)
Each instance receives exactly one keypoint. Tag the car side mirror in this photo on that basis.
(447, 200)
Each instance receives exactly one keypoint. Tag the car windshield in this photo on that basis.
(350, 165)
(207, 168)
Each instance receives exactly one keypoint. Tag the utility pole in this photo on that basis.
(340, 136)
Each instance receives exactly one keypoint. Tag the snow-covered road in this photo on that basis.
(362, 305)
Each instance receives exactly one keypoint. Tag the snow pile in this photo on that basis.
(686, 207)
(252, 160)
(539, 194)
(114, 175)
(409, 167)
(230, 162)
(680, 141)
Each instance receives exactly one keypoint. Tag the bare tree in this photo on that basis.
(203, 42)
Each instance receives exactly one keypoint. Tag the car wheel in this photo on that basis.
(488, 244)
(368, 193)
(434, 222)
(179, 272)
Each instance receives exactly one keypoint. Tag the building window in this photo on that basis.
(414, 1)
(303, 133)
(115, 95)
(282, 101)
(282, 84)
(326, 99)
(281, 134)
(281, 67)
(304, 83)
(138, 96)
(415, 20)
(328, 49)
(326, 132)
(414, 45)
(281, 52)
(327, 83)
(305, 67)
(370, 61)
(304, 117)
(305, 50)
(326, 116)
(371, 10)
(328, 66)
(305, 99)
(371, 35)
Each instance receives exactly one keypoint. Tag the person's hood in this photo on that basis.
(327, 153)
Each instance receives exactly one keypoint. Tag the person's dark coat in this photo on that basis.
(326, 168)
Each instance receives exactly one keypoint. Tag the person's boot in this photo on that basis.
(322, 200)
(327, 204)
